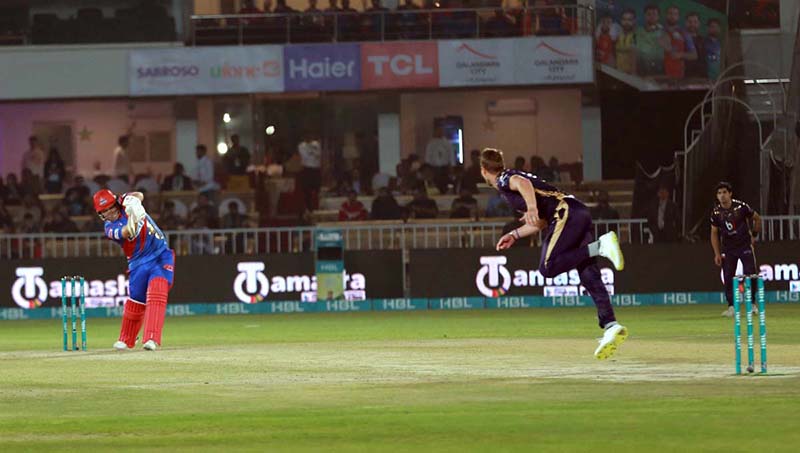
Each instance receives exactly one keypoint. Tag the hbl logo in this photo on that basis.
(251, 285)
(30, 289)
(493, 267)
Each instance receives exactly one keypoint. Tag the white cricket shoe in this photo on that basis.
(612, 338)
(121, 346)
(609, 248)
(150, 345)
(755, 310)
(728, 313)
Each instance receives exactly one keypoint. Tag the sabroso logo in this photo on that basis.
(168, 71)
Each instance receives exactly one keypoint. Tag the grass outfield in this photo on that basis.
(425, 381)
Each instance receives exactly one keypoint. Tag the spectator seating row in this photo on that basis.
(380, 26)
(90, 26)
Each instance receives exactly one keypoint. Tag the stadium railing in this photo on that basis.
(373, 235)
(390, 25)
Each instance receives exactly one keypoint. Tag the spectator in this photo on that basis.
(439, 155)
(681, 46)
(76, 197)
(30, 183)
(603, 210)
(373, 20)
(605, 42)
(249, 7)
(472, 176)
(312, 19)
(663, 217)
(169, 219)
(427, 179)
(204, 172)
(282, 8)
(204, 215)
(13, 191)
(348, 22)
(550, 172)
(385, 207)
(380, 180)
(177, 180)
(54, 172)
(519, 163)
(537, 166)
(650, 44)
(95, 224)
(31, 205)
(408, 172)
(60, 223)
(465, 206)
(458, 179)
(122, 163)
(234, 218)
(33, 160)
(6, 221)
(499, 25)
(333, 6)
(626, 43)
(713, 48)
(496, 206)
(696, 68)
(3, 190)
(236, 160)
(29, 225)
(422, 206)
(310, 177)
(409, 22)
(352, 208)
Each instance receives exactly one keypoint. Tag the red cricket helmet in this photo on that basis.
(104, 199)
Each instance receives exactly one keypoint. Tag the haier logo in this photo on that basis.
(494, 279)
(322, 67)
(252, 285)
(325, 69)
(30, 289)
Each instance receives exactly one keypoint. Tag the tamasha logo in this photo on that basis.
(252, 285)
(494, 279)
(396, 65)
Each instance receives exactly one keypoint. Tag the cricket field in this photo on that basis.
(489, 380)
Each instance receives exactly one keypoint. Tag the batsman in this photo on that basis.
(151, 266)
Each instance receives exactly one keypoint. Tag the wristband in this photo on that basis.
(515, 234)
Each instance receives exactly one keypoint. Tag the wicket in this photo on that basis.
(73, 287)
(743, 284)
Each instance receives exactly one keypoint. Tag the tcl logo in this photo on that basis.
(396, 65)
(399, 64)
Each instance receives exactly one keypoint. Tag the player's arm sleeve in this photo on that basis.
(115, 232)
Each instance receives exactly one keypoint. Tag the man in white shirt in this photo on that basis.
(33, 158)
(439, 155)
(204, 172)
(122, 162)
(311, 177)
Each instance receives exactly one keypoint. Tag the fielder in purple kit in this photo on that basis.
(732, 240)
(569, 239)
